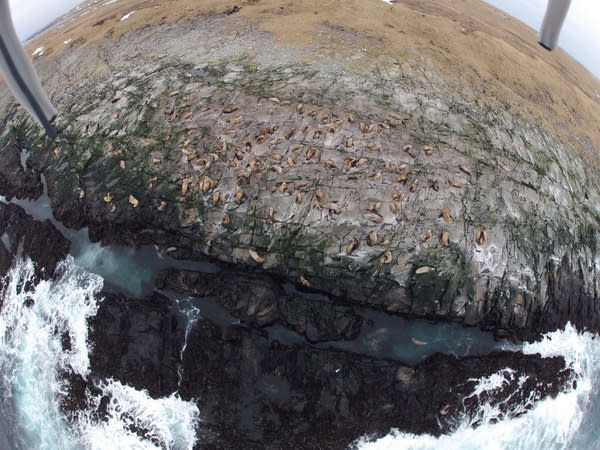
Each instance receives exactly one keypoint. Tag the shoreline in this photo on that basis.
(427, 190)
(397, 178)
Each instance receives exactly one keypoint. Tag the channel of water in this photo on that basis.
(132, 271)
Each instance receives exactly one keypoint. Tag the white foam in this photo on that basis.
(32, 325)
(34, 321)
(554, 423)
(493, 382)
(167, 422)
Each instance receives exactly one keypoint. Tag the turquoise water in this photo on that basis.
(412, 340)
(123, 268)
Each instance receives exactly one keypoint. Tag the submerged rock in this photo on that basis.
(259, 301)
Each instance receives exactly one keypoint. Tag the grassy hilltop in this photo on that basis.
(476, 47)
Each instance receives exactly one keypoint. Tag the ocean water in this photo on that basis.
(569, 421)
(33, 323)
(34, 319)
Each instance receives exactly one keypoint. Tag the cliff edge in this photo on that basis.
(428, 161)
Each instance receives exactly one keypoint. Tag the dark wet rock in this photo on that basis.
(260, 300)
(254, 391)
(136, 341)
(22, 236)
(17, 179)
(5, 259)
(329, 398)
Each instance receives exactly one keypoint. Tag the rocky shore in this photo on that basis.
(376, 180)
(257, 392)
(392, 180)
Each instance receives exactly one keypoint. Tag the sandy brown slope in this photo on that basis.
(480, 50)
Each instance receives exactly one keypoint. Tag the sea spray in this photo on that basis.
(34, 321)
(43, 334)
(164, 423)
(567, 421)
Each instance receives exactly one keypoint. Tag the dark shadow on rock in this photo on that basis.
(26, 237)
(255, 392)
(260, 300)
(15, 181)
(136, 341)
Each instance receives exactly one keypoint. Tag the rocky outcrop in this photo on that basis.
(254, 391)
(23, 237)
(16, 180)
(255, 394)
(137, 341)
(385, 188)
(259, 301)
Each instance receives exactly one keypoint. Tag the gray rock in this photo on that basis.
(230, 163)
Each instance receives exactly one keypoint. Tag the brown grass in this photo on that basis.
(470, 42)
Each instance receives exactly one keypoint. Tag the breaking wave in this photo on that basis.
(44, 335)
(570, 420)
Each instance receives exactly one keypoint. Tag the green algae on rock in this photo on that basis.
(257, 146)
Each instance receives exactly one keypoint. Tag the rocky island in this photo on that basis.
(425, 161)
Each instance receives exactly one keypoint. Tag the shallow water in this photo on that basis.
(412, 340)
